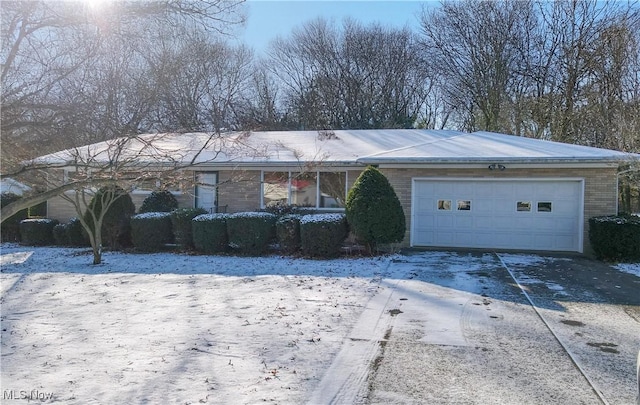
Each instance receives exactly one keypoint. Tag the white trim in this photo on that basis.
(580, 180)
(483, 167)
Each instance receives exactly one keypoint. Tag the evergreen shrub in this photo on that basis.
(210, 233)
(75, 233)
(322, 235)
(250, 233)
(288, 233)
(37, 232)
(60, 235)
(10, 228)
(159, 201)
(615, 237)
(182, 225)
(374, 211)
(116, 230)
(151, 231)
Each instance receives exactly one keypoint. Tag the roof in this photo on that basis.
(8, 185)
(360, 147)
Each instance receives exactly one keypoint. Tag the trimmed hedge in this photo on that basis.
(151, 231)
(159, 201)
(288, 233)
(615, 238)
(250, 233)
(37, 232)
(76, 233)
(10, 228)
(60, 235)
(322, 235)
(210, 233)
(182, 225)
(70, 234)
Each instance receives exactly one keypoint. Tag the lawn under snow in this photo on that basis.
(177, 328)
(172, 328)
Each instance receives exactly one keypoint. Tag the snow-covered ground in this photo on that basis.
(176, 328)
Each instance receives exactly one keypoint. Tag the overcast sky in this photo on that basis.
(268, 19)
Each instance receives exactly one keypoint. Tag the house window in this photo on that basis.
(206, 191)
(444, 205)
(275, 188)
(333, 189)
(523, 206)
(464, 205)
(544, 206)
(305, 189)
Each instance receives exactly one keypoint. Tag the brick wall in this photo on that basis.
(600, 195)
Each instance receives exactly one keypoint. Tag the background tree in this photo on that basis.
(350, 77)
(477, 50)
(73, 74)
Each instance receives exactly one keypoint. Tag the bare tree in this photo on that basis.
(477, 49)
(202, 83)
(69, 69)
(353, 77)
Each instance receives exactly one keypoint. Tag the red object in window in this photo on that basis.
(300, 184)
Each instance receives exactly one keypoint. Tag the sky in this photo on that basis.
(268, 19)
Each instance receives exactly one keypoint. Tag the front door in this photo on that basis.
(206, 191)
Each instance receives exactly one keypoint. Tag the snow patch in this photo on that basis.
(209, 217)
(322, 218)
(150, 215)
(15, 258)
(631, 268)
(40, 220)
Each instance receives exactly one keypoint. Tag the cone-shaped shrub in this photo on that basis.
(210, 233)
(373, 210)
(250, 233)
(159, 201)
(151, 231)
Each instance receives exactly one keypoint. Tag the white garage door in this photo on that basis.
(520, 214)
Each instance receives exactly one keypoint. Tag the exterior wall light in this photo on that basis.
(495, 166)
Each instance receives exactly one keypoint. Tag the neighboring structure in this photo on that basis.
(475, 190)
(8, 185)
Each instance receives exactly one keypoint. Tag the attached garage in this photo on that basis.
(523, 214)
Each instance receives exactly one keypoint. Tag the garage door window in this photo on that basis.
(444, 205)
(523, 206)
(464, 205)
(544, 206)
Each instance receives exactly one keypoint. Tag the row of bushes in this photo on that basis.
(245, 233)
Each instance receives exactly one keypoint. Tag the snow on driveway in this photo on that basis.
(173, 328)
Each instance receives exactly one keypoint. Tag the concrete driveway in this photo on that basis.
(485, 328)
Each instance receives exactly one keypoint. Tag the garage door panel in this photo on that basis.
(493, 220)
(445, 221)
